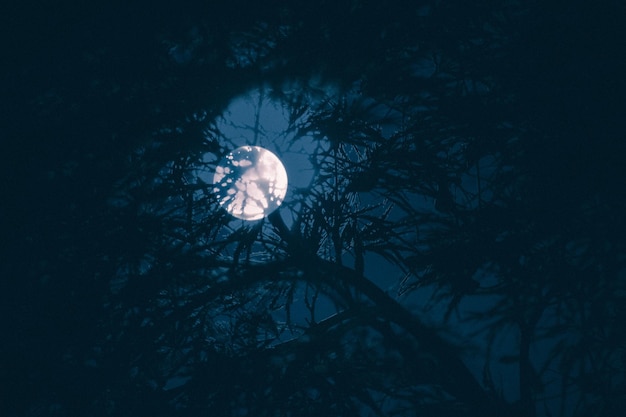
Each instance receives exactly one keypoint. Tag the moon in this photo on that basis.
(250, 182)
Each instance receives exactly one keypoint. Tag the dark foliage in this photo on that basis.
(470, 152)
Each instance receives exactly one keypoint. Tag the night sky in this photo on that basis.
(451, 242)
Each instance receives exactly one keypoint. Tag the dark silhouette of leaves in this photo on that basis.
(468, 152)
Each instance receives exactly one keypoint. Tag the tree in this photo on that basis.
(434, 155)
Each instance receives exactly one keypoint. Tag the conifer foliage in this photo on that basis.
(451, 243)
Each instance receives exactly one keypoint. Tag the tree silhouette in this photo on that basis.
(470, 153)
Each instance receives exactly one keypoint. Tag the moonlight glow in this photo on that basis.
(250, 182)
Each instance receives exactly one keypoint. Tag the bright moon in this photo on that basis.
(250, 182)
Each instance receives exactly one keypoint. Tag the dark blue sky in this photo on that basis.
(474, 148)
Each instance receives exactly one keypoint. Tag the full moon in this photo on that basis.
(250, 182)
